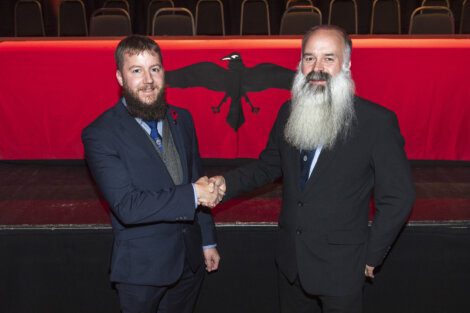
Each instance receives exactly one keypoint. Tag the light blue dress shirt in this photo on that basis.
(315, 159)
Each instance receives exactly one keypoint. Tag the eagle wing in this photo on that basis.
(267, 75)
(203, 74)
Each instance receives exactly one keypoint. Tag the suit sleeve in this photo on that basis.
(131, 205)
(262, 171)
(394, 192)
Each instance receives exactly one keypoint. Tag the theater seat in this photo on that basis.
(436, 20)
(71, 20)
(296, 20)
(29, 19)
(386, 17)
(110, 22)
(179, 23)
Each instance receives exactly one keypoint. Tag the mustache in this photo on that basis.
(147, 87)
(313, 75)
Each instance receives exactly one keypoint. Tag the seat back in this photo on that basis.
(210, 17)
(343, 13)
(71, 20)
(180, 23)
(430, 3)
(434, 3)
(296, 20)
(110, 22)
(28, 18)
(254, 19)
(465, 18)
(291, 3)
(153, 7)
(432, 23)
(119, 4)
(386, 17)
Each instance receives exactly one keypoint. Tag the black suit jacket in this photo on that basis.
(323, 231)
(155, 223)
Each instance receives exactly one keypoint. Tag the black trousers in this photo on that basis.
(294, 299)
(179, 297)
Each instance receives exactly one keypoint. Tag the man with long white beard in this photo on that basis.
(334, 151)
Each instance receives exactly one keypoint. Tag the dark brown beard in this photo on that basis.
(148, 112)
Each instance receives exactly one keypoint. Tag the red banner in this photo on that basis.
(52, 89)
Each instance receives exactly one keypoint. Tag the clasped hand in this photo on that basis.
(210, 191)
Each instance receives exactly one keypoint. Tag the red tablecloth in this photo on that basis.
(51, 89)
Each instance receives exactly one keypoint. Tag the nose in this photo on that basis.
(318, 66)
(148, 79)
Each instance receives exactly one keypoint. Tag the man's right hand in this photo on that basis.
(206, 192)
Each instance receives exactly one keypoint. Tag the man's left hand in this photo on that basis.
(211, 258)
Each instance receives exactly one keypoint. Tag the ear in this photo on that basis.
(348, 66)
(119, 78)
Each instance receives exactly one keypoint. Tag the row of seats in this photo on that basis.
(433, 17)
(163, 18)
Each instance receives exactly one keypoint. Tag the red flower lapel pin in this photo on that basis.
(174, 115)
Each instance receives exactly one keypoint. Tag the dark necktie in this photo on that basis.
(155, 135)
(306, 158)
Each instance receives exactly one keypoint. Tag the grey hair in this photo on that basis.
(346, 39)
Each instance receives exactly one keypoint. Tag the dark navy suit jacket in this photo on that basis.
(155, 223)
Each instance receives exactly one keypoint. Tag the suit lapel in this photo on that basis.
(136, 134)
(293, 154)
(139, 139)
(324, 160)
(321, 167)
(327, 156)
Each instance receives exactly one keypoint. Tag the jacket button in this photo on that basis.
(300, 204)
(298, 231)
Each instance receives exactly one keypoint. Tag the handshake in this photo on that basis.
(210, 191)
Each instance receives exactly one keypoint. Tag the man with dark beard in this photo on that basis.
(334, 150)
(143, 154)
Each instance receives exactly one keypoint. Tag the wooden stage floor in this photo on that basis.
(62, 194)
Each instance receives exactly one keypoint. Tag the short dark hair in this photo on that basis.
(135, 44)
(347, 40)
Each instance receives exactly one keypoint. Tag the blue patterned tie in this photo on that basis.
(155, 135)
(306, 158)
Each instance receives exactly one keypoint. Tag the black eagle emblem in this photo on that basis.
(235, 81)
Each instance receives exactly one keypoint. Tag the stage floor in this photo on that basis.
(63, 194)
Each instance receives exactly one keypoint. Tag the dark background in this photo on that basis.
(231, 8)
(51, 270)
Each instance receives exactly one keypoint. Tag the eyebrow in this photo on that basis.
(140, 66)
(156, 65)
(330, 54)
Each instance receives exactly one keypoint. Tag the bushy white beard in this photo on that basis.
(320, 115)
